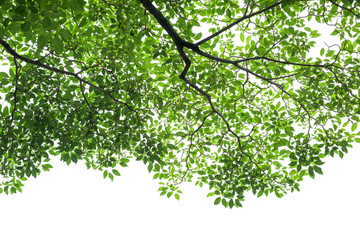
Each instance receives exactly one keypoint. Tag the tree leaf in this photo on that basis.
(116, 172)
(57, 45)
(354, 126)
(217, 201)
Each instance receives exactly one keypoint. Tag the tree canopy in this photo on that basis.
(234, 95)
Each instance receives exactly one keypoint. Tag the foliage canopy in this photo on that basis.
(249, 103)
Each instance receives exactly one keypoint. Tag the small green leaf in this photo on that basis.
(318, 170)
(6, 111)
(278, 194)
(224, 202)
(231, 203)
(210, 194)
(228, 13)
(111, 176)
(150, 167)
(322, 51)
(74, 158)
(105, 173)
(177, 197)
(311, 172)
(292, 164)
(116, 172)
(217, 201)
(46, 167)
(242, 37)
(83, 22)
(353, 127)
(201, 172)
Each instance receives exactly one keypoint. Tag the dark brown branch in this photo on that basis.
(179, 42)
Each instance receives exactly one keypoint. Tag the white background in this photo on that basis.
(71, 202)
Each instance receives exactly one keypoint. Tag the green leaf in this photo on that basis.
(111, 176)
(25, 27)
(201, 173)
(46, 167)
(278, 194)
(65, 34)
(77, 5)
(217, 201)
(210, 194)
(242, 37)
(311, 172)
(116, 172)
(46, 23)
(177, 197)
(42, 41)
(228, 13)
(224, 202)
(318, 170)
(83, 22)
(105, 173)
(231, 203)
(353, 127)
(6, 111)
(57, 44)
(150, 167)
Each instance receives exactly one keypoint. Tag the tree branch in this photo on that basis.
(10, 50)
(237, 22)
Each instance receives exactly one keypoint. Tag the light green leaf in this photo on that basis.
(353, 127)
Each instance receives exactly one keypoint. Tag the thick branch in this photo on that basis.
(179, 42)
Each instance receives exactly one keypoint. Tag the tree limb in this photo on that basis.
(10, 50)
